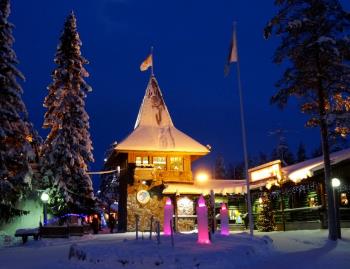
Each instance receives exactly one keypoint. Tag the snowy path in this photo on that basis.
(296, 249)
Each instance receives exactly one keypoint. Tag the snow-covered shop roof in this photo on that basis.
(154, 130)
(223, 186)
(302, 170)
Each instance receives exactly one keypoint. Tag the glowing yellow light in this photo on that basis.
(268, 185)
(272, 171)
(260, 200)
(300, 174)
(202, 177)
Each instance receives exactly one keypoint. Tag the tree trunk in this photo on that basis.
(332, 229)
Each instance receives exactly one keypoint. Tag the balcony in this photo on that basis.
(144, 173)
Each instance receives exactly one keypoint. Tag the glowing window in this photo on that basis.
(138, 161)
(344, 199)
(176, 164)
(159, 162)
(141, 161)
(145, 160)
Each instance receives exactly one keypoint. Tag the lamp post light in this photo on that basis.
(45, 198)
(202, 177)
(335, 184)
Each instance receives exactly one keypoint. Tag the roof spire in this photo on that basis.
(154, 129)
(153, 110)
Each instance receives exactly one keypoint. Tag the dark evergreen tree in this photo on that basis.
(68, 148)
(338, 143)
(317, 152)
(109, 184)
(236, 171)
(282, 151)
(16, 133)
(316, 47)
(301, 153)
(231, 171)
(266, 220)
(263, 158)
(220, 170)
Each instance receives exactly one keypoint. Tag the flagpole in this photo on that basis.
(249, 202)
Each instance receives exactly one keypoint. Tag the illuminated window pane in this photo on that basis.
(138, 161)
(145, 160)
(141, 161)
(176, 164)
(159, 162)
(344, 199)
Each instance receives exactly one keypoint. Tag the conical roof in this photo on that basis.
(154, 129)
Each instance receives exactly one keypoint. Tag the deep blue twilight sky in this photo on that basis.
(190, 40)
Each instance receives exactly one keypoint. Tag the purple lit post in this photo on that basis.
(224, 220)
(202, 221)
(168, 215)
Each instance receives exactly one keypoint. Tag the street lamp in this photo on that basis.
(45, 198)
(335, 184)
(202, 177)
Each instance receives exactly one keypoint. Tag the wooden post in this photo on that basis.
(151, 228)
(137, 226)
(158, 232)
(212, 204)
(172, 232)
(176, 214)
(282, 210)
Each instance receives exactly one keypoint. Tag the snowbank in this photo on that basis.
(295, 249)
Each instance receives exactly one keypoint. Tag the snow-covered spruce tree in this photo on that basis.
(68, 148)
(15, 130)
(301, 153)
(220, 169)
(316, 47)
(266, 220)
(109, 185)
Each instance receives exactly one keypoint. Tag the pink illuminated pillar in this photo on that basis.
(202, 221)
(168, 215)
(224, 220)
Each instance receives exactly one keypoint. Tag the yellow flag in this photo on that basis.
(147, 63)
(233, 49)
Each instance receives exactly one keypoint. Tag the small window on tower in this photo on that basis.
(159, 162)
(141, 161)
(176, 164)
(138, 161)
(145, 160)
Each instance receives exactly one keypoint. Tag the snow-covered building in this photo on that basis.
(298, 191)
(155, 155)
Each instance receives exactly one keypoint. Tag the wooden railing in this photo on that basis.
(163, 175)
(308, 214)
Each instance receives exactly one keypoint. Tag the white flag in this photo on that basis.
(232, 53)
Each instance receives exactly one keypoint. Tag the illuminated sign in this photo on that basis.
(271, 170)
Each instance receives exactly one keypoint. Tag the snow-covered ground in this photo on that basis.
(295, 249)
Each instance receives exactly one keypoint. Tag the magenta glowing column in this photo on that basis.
(202, 221)
(168, 215)
(225, 230)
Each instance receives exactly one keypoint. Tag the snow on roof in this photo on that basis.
(223, 186)
(154, 129)
(302, 170)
